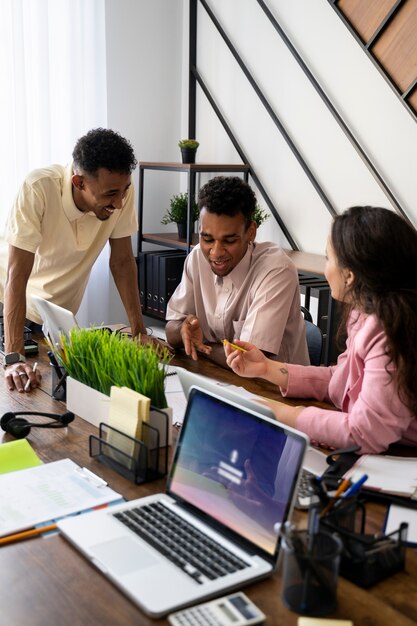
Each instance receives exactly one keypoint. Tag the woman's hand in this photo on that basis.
(283, 412)
(249, 362)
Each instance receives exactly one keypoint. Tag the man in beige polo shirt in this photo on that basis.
(233, 287)
(61, 220)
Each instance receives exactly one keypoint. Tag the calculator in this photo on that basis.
(315, 464)
(304, 496)
(233, 610)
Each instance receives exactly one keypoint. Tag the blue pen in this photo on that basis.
(355, 487)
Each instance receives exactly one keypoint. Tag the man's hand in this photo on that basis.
(22, 377)
(192, 337)
(157, 344)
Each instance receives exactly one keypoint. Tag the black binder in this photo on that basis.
(141, 265)
(145, 276)
(170, 273)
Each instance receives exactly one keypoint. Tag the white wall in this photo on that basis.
(144, 86)
(370, 108)
(147, 71)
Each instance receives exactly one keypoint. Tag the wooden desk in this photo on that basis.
(45, 582)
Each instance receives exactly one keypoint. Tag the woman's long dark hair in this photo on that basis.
(380, 248)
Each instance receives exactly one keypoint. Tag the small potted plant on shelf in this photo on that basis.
(188, 149)
(260, 215)
(177, 213)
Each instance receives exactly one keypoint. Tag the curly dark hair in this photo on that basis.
(102, 147)
(228, 195)
(380, 248)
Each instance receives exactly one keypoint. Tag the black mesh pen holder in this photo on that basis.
(366, 558)
(348, 514)
(59, 383)
(138, 460)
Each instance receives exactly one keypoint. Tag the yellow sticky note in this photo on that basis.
(128, 409)
(318, 621)
(17, 455)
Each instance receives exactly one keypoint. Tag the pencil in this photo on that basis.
(35, 367)
(234, 345)
(341, 489)
(34, 532)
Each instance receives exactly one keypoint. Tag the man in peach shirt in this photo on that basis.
(233, 287)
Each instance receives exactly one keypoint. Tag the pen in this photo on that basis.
(53, 360)
(26, 534)
(54, 363)
(341, 489)
(35, 367)
(356, 486)
(234, 345)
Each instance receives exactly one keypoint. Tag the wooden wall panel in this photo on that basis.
(388, 32)
(365, 15)
(396, 48)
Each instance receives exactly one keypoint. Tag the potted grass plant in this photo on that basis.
(95, 360)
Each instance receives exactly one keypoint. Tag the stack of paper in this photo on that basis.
(49, 492)
(388, 474)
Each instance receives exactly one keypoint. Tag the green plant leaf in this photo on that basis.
(101, 359)
(188, 143)
(260, 215)
(177, 211)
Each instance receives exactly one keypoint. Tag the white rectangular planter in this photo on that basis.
(88, 403)
(93, 407)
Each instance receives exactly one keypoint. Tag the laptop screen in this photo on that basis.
(238, 467)
(56, 320)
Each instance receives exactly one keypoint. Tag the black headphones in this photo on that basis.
(19, 428)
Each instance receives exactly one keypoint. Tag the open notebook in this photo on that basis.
(230, 488)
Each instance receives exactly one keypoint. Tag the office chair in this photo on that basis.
(314, 338)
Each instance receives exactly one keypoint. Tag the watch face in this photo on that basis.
(12, 357)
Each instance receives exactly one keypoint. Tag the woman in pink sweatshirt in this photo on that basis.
(372, 268)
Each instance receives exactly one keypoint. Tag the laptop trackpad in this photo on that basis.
(123, 555)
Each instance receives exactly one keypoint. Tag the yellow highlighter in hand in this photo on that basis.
(234, 346)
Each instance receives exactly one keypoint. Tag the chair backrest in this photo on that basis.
(306, 313)
(314, 342)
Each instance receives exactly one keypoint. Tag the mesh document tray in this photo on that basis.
(366, 558)
(138, 460)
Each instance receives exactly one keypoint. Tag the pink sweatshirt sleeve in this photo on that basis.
(372, 415)
(308, 382)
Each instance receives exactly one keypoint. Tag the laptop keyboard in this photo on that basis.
(196, 554)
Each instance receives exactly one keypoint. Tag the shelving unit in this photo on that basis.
(171, 240)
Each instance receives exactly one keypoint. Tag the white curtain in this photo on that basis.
(53, 84)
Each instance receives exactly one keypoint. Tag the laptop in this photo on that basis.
(56, 320)
(217, 526)
(314, 463)
(224, 390)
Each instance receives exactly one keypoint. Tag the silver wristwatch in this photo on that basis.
(13, 357)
